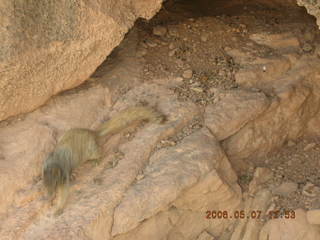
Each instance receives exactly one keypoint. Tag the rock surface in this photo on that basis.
(313, 216)
(290, 229)
(37, 62)
(113, 202)
(256, 203)
(292, 103)
(25, 144)
(233, 111)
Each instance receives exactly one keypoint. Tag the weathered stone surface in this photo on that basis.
(256, 203)
(276, 41)
(260, 177)
(25, 144)
(313, 216)
(172, 171)
(287, 117)
(156, 227)
(285, 188)
(89, 213)
(233, 111)
(38, 61)
(261, 72)
(290, 229)
(205, 236)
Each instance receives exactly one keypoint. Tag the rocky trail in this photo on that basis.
(237, 159)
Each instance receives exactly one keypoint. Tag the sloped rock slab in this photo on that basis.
(171, 172)
(233, 111)
(89, 213)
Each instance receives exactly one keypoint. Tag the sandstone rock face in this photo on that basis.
(285, 119)
(22, 158)
(257, 201)
(178, 184)
(294, 229)
(234, 110)
(52, 46)
(293, 86)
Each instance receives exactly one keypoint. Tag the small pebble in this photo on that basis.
(179, 62)
(187, 74)
(309, 146)
(197, 89)
(204, 38)
(139, 177)
(159, 31)
(171, 53)
(309, 190)
(285, 188)
(141, 52)
(178, 79)
(151, 44)
(171, 46)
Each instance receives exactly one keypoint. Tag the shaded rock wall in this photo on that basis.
(313, 8)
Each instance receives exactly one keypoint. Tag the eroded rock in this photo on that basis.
(286, 118)
(281, 41)
(25, 145)
(37, 62)
(90, 207)
(285, 188)
(296, 228)
(205, 236)
(256, 204)
(172, 171)
(313, 216)
(233, 111)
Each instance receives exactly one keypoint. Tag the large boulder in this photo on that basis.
(51, 46)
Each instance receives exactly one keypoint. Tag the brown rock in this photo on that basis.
(233, 111)
(285, 188)
(296, 228)
(263, 72)
(276, 41)
(90, 207)
(159, 31)
(248, 228)
(313, 216)
(38, 61)
(285, 119)
(187, 74)
(260, 177)
(171, 172)
(309, 146)
(156, 227)
(205, 236)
